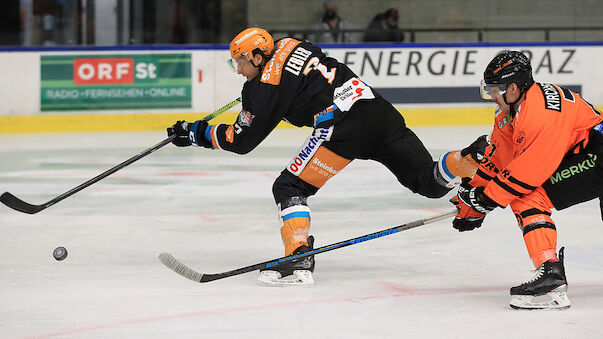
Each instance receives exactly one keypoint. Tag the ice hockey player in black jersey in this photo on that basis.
(295, 81)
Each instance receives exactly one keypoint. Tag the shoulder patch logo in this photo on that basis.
(351, 91)
(245, 118)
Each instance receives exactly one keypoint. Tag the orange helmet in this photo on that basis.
(246, 42)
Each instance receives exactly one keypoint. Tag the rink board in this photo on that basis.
(127, 88)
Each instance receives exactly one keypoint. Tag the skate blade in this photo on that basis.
(274, 279)
(555, 300)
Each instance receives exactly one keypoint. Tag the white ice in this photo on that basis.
(214, 211)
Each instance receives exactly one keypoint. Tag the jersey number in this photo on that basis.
(492, 150)
(314, 64)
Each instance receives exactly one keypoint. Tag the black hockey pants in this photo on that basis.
(579, 177)
(373, 130)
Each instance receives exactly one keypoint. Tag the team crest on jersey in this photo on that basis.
(245, 118)
(520, 142)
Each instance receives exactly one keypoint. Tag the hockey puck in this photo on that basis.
(59, 253)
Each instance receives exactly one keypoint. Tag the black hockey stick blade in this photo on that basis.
(17, 204)
(175, 265)
(178, 267)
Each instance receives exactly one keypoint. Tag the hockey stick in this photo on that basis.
(178, 267)
(17, 204)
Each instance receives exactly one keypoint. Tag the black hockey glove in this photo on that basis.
(472, 205)
(477, 149)
(188, 134)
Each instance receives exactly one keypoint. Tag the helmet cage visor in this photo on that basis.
(490, 91)
(235, 63)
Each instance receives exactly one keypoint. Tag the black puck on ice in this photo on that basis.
(60, 253)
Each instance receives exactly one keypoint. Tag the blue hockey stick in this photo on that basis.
(178, 267)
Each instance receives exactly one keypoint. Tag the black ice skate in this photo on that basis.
(297, 272)
(546, 291)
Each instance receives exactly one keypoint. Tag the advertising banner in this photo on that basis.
(115, 82)
(445, 75)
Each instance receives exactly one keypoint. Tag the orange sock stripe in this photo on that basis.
(543, 257)
(295, 233)
(214, 137)
(460, 166)
(541, 242)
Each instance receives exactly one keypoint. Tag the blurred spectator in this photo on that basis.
(10, 25)
(333, 23)
(384, 27)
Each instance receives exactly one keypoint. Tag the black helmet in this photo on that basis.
(508, 67)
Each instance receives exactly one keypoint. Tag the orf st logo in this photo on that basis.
(99, 71)
(114, 71)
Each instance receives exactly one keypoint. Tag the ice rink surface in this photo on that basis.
(214, 211)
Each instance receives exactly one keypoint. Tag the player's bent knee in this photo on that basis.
(288, 185)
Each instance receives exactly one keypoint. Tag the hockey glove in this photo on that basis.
(188, 134)
(472, 205)
(477, 149)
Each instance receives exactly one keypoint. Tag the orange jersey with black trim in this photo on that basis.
(524, 152)
(298, 82)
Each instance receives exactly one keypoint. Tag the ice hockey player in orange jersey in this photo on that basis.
(545, 152)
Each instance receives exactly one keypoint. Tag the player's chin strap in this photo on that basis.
(256, 66)
(260, 67)
(512, 104)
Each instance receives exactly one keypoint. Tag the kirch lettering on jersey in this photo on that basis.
(552, 97)
(297, 60)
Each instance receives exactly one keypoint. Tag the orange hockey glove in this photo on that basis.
(472, 205)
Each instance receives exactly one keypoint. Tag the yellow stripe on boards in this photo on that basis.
(60, 123)
(448, 116)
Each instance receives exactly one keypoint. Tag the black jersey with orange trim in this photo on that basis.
(296, 83)
(550, 123)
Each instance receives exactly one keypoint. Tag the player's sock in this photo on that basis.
(547, 290)
(455, 165)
